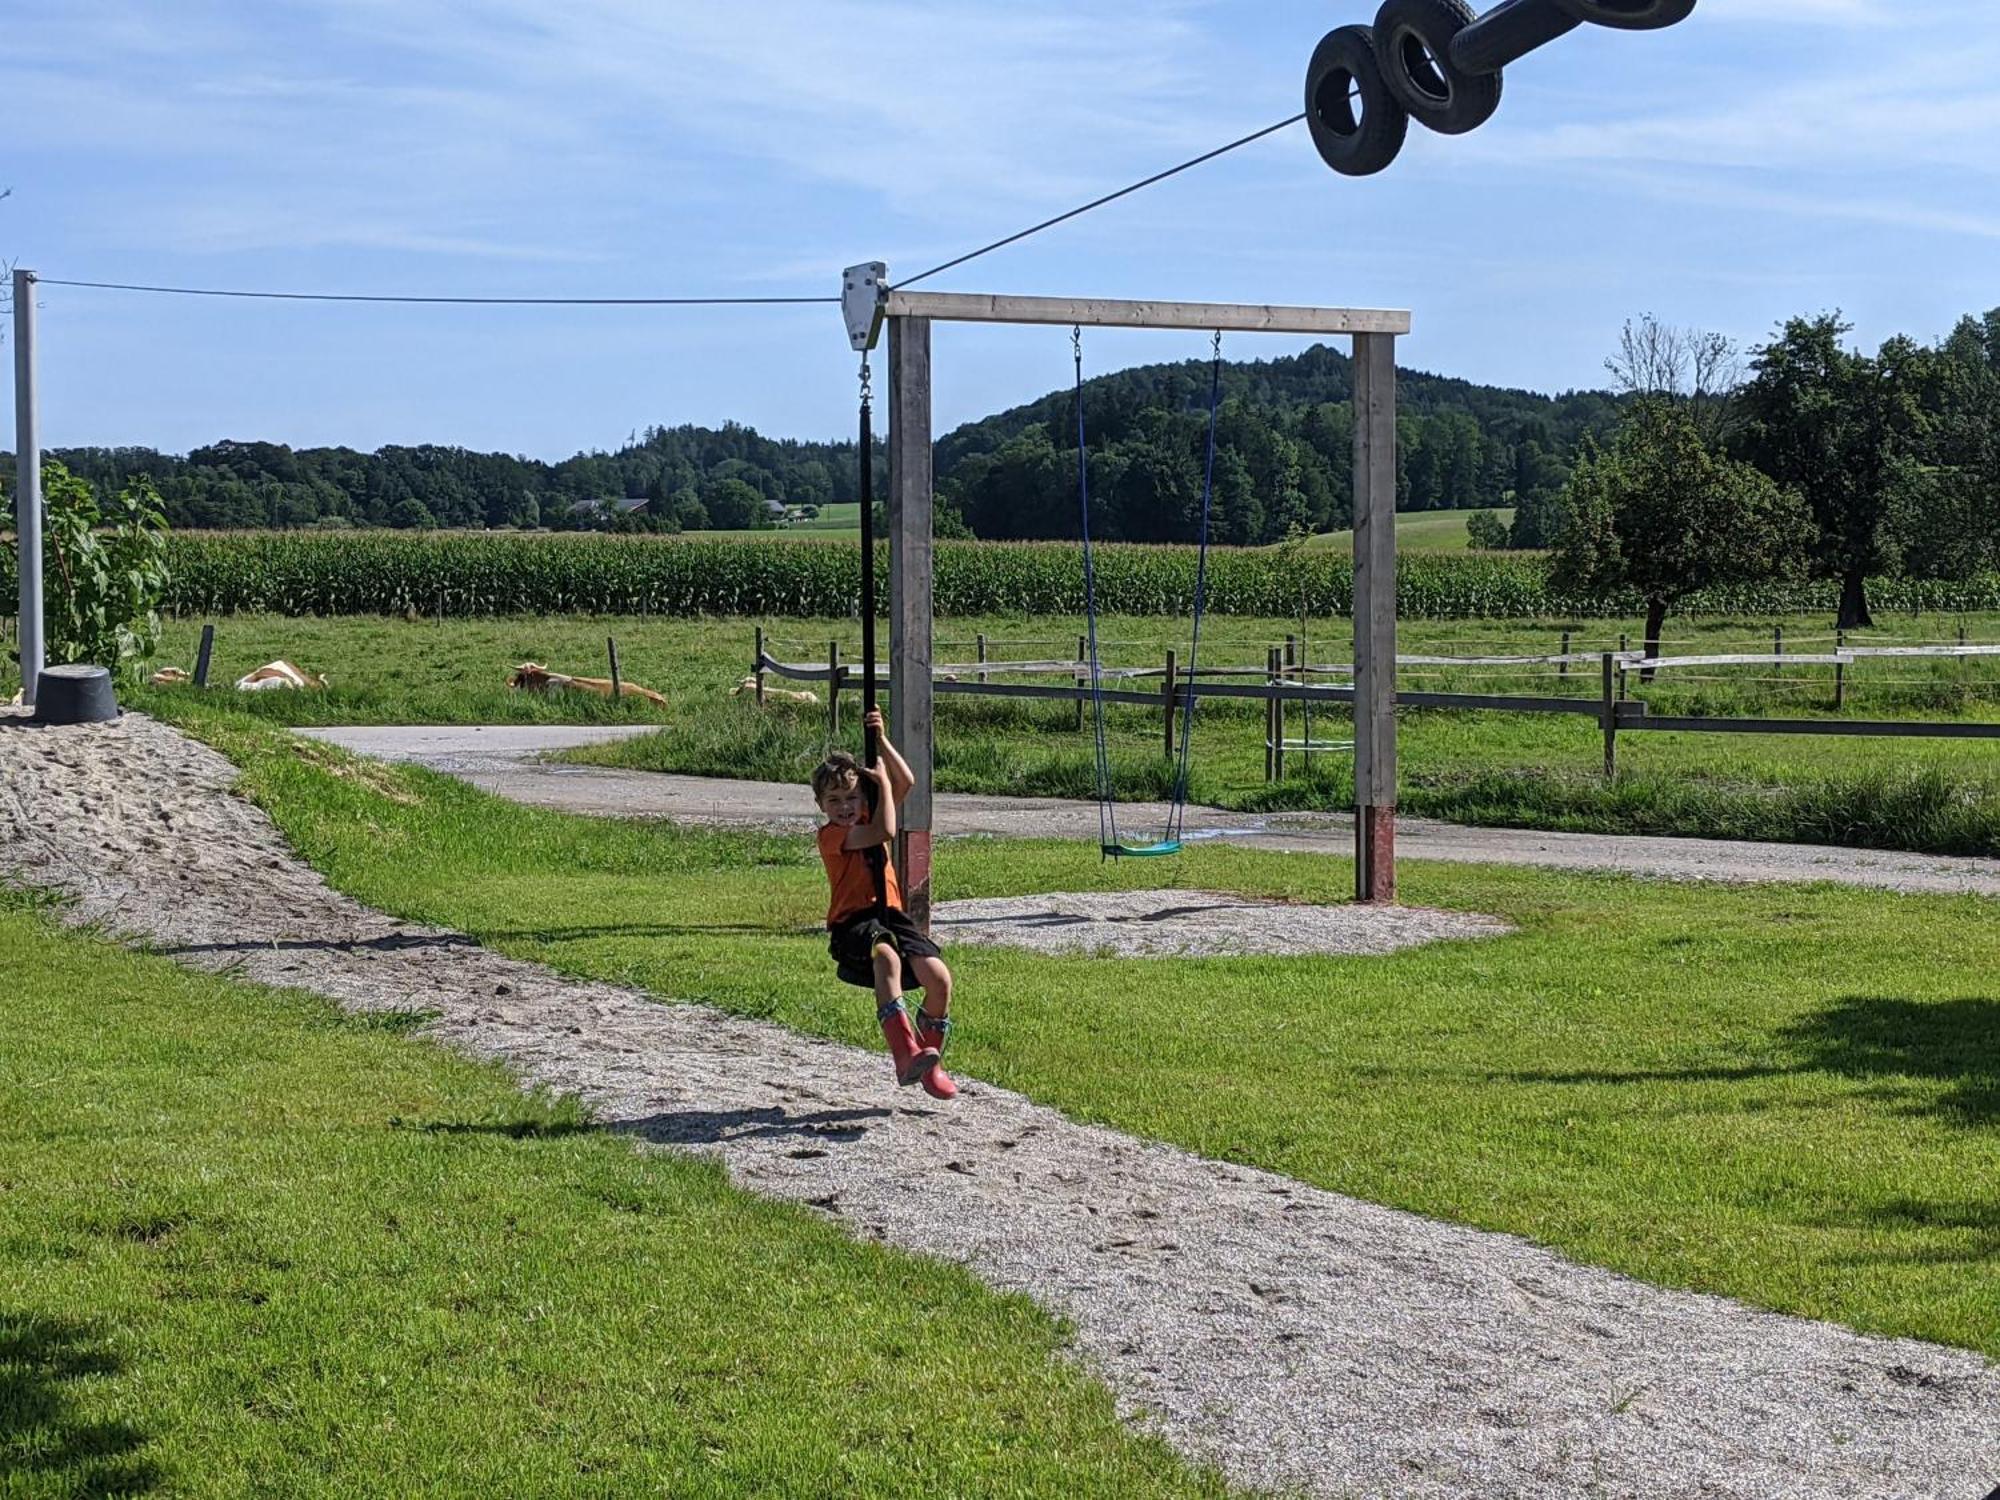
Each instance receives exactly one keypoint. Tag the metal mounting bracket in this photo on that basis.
(863, 290)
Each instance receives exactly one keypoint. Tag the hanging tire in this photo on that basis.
(1357, 126)
(1413, 48)
(1630, 15)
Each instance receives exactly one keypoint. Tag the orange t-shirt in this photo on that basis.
(848, 872)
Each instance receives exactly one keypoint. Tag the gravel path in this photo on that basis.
(1196, 924)
(502, 762)
(1299, 1338)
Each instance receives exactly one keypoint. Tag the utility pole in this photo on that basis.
(27, 484)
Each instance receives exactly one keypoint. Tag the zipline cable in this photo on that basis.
(1256, 135)
(1012, 239)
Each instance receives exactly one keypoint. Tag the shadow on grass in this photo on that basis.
(1867, 1038)
(1953, 1042)
(40, 1434)
(648, 930)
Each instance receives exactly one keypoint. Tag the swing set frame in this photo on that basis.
(872, 306)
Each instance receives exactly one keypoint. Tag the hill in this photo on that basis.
(1282, 462)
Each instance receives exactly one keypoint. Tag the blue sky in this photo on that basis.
(1767, 157)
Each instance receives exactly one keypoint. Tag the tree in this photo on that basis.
(1837, 426)
(1661, 514)
(1701, 370)
(734, 505)
(1487, 531)
(411, 515)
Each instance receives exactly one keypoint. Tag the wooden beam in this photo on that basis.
(909, 517)
(1104, 312)
(1375, 618)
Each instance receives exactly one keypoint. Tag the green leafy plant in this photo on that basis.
(105, 571)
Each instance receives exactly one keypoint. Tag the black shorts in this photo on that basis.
(853, 941)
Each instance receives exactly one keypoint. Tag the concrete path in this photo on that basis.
(504, 761)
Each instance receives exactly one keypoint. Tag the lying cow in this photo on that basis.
(783, 695)
(531, 677)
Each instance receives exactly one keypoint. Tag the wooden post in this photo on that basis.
(1608, 718)
(1374, 368)
(982, 656)
(1274, 667)
(833, 676)
(1839, 673)
(1778, 648)
(1082, 679)
(758, 672)
(202, 655)
(1167, 701)
(617, 687)
(1562, 668)
(1624, 684)
(1273, 726)
(910, 556)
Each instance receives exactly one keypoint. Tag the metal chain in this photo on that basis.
(867, 381)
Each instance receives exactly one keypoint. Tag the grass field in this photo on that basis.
(250, 1247)
(1494, 768)
(833, 523)
(1784, 1095)
(1421, 531)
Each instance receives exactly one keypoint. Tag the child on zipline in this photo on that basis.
(872, 939)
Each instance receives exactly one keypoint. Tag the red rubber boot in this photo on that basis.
(912, 1061)
(933, 1032)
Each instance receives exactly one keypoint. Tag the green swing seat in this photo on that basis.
(1141, 851)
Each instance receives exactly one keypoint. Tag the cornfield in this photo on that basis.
(510, 574)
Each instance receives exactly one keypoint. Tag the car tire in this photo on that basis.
(1413, 48)
(1357, 126)
(1630, 15)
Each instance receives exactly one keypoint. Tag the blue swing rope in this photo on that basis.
(1109, 844)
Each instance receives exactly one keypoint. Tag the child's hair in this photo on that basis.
(833, 773)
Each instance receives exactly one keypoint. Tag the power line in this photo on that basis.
(198, 291)
(1257, 135)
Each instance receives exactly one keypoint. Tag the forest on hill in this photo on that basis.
(1283, 460)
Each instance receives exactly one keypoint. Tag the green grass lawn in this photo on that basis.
(1421, 531)
(1790, 1096)
(1538, 771)
(249, 1247)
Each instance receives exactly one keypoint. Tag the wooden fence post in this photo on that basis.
(1167, 700)
(201, 657)
(1608, 714)
(1082, 678)
(1778, 648)
(758, 670)
(1275, 667)
(1624, 645)
(1839, 673)
(833, 675)
(982, 656)
(617, 688)
(1562, 668)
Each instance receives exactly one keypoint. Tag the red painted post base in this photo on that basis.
(1375, 856)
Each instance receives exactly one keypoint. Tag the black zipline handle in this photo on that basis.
(871, 750)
